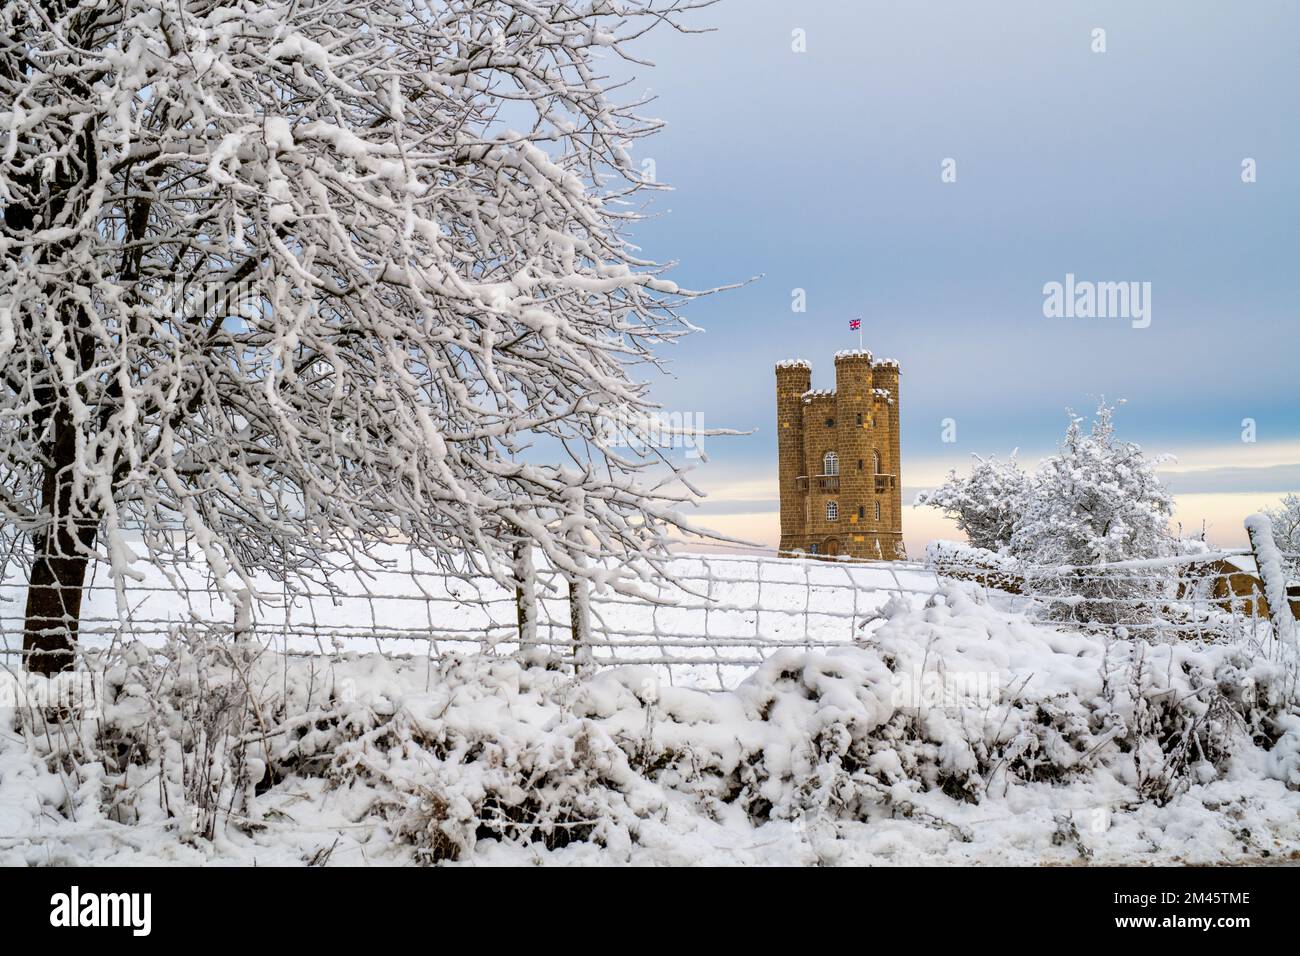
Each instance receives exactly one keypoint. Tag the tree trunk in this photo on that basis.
(63, 545)
(59, 562)
(53, 610)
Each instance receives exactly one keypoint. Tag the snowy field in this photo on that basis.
(722, 617)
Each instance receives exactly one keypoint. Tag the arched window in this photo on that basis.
(875, 462)
(832, 511)
(877, 510)
(831, 464)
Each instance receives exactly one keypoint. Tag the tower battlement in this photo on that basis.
(838, 459)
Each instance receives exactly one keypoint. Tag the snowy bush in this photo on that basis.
(984, 503)
(148, 736)
(485, 755)
(1285, 519)
(1096, 501)
(956, 704)
(963, 562)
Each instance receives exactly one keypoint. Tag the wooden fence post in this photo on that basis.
(1268, 563)
(580, 622)
(525, 597)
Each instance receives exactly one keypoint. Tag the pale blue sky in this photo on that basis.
(821, 171)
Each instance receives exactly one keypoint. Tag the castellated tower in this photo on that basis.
(839, 459)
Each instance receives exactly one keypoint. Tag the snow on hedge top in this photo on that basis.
(956, 551)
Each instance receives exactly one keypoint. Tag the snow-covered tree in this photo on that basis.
(984, 503)
(292, 275)
(1285, 519)
(1097, 500)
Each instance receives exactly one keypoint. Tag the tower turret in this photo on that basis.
(793, 379)
(889, 488)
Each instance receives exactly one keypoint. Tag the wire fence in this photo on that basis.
(707, 623)
(1213, 595)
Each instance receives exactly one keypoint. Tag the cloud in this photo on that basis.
(1269, 480)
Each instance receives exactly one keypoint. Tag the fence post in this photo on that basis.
(1268, 562)
(579, 608)
(580, 621)
(525, 597)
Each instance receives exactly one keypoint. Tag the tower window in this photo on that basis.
(859, 418)
(862, 511)
(830, 423)
(831, 464)
(859, 464)
(875, 462)
(877, 510)
(832, 511)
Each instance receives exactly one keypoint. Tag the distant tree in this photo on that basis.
(296, 275)
(984, 503)
(1097, 500)
(1286, 530)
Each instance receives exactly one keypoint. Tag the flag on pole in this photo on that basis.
(855, 325)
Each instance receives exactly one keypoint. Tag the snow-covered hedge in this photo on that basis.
(965, 562)
(953, 705)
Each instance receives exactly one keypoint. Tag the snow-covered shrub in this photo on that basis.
(959, 698)
(963, 562)
(1285, 519)
(491, 752)
(954, 704)
(1097, 500)
(962, 698)
(984, 503)
(179, 734)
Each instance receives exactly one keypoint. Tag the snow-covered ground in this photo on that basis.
(720, 618)
(954, 732)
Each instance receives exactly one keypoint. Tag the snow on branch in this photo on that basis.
(295, 276)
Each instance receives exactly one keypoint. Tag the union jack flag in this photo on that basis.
(855, 324)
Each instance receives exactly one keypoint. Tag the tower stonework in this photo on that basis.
(838, 459)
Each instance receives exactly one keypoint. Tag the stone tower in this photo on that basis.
(839, 459)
